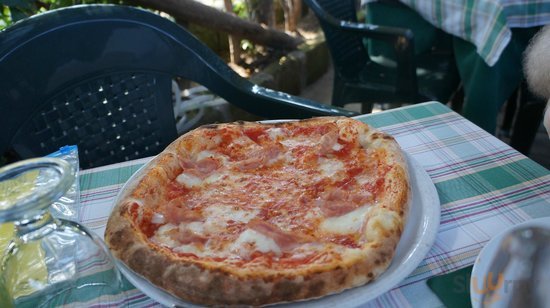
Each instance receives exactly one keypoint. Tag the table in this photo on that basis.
(489, 37)
(487, 24)
(484, 186)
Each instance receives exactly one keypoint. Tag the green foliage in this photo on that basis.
(247, 46)
(14, 10)
(240, 9)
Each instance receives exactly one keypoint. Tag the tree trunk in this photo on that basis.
(209, 17)
(297, 14)
(261, 11)
(290, 9)
(234, 42)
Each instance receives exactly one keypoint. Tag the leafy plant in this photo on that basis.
(240, 9)
(14, 10)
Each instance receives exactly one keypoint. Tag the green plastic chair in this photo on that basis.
(399, 73)
(100, 77)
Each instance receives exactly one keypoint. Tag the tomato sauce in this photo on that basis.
(255, 133)
(313, 131)
(175, 190)
(346, 150)
(146, 226)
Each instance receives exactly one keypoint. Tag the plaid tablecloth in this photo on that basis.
(484, 187)
(485, 23)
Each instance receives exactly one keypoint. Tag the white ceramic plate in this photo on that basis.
(486, 255)
(417, 239)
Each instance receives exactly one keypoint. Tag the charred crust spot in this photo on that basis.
(122, 210)
(286, 289)
(377, 262)
(138, 259)
(316, 288)
(399, 232)
(256, 289)
(379, 135)
(370, 275)
(278, 124)
(120, 240)
(210, 126)
(341, 279)
(215, 287)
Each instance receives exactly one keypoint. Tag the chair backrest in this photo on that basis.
(99, 76)
(347, 49)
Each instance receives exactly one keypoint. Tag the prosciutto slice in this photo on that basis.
(286, 241)
(339, 202)
(260, 157)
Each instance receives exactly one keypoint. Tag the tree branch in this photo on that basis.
(200, 14)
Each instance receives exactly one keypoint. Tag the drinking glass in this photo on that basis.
(50, 262)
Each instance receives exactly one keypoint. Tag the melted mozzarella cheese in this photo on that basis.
(329, 167)
(275, 132)
(295, 142)
(366, 178)
(380, 222)
(250, 241)
(217, 217)
(162, 238)
(347, 223)
(216, 213)
(157, 218)
(214, 177)
(205, 154)
(189, 249)
(211, 154)
(196, 227)
(364, 139)
(346, 132)
(188, 180)
(352, 253)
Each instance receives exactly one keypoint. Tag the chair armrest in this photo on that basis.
(366, 30)
(286, 106)
(401, 39)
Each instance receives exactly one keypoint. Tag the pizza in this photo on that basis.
(258, 213)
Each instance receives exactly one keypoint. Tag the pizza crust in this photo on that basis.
(218, 284)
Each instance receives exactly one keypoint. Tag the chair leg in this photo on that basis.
(338, 92)
(509, 113)
(366, 108)
(457, 99)
(528, 119)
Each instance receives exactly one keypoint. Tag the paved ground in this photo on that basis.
(321, 91)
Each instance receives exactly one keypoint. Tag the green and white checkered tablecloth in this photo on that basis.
(485, 23)
(484, 187)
